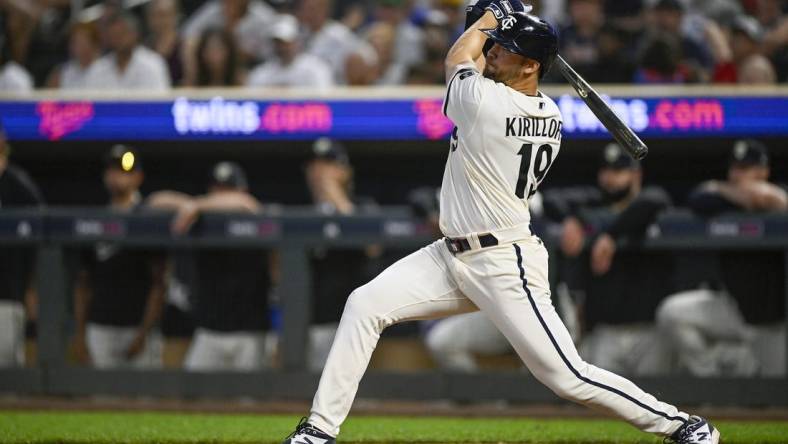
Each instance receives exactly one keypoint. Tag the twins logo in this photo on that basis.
(507, 23)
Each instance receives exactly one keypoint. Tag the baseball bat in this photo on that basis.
(622, 133)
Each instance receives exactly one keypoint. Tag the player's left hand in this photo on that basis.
(602, 254)
(136, 346)
(475, 11)
(184, 218)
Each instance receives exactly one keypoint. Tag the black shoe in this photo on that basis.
(305, 433)
(696, 431)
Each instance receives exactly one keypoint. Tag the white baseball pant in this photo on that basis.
(108, 344)
(12, 334)
(216, 350)
(509, 283)
(711, 338)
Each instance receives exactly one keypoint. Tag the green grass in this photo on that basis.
(173, 428)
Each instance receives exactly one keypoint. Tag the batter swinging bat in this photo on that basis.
(622, 133)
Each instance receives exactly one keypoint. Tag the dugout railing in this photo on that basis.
(293, 231)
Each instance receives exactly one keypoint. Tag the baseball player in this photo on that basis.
(119, 291)
(231, 286)
(737, 329)
(507, 135)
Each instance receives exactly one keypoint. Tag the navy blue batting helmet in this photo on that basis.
(529, 36)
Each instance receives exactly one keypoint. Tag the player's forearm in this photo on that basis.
(757, 196)
(155, 303)
(468, 48)
(167, 199)
(228, 201)
(82, 297)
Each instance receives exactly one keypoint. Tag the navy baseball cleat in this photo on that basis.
(305, 433)
(696, 431)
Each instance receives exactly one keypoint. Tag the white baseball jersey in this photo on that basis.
(502, 146)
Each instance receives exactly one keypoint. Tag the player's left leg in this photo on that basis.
(416, 287)
(510, 284)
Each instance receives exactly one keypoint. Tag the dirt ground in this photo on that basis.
(361, 407)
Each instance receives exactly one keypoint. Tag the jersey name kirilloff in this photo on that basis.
(527, 126)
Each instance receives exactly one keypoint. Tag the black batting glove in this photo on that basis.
(502, 8)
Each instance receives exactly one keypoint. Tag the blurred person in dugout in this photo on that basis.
(616, 285)
(18, 297)
(230, 293)
(119, 291)
(291, 67)
(336, 272)
(737, 327)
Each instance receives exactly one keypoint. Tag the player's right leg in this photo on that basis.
(416, 287)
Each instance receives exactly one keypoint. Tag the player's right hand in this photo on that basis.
(502, 8)
(572, 237)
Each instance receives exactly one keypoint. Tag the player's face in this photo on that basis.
(617, 183)
(118, 181)
(506, 67)
(742, 174)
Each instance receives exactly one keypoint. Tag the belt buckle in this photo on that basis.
(452, 246)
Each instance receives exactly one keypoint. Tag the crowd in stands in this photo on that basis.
(158, 44)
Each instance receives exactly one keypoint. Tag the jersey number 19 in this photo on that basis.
(542, 161)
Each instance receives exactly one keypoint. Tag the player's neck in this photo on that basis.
(528, 86)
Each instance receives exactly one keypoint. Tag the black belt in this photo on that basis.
(460, 244)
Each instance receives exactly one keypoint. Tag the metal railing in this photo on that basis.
(293, 232)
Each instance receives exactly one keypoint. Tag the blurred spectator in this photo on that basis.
(669, 19)
(775, 43)
(248, 21)
(325, 38)
(84, 49)
(436, 42)
(747, 64)
(408, 39)
(36, 29)
(336, 272)
(661, 62)
(129, 65)
(614, 61)
(622, 286)
(291, 67)
(162, 21)
(362, 66)
(218, 61)
(13, 77)
(231, 285)
(354, 14)
(382, 38)
(119, 291)
(454, 11)
(579, 38)
(18, 298)
(740, 329)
